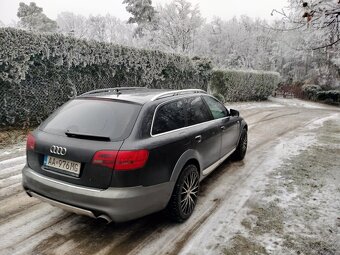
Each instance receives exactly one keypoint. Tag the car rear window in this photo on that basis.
(105, 118)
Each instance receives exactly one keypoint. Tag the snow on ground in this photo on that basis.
(294, 102)
(274, 102)
(224, 225)
(243, 206)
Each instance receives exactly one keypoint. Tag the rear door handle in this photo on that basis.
(223, 128)
(198, 138)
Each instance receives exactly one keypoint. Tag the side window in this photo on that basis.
(197, 111)
(216, 108)
(169, 117)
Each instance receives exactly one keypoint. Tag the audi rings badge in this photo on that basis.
(58, 150)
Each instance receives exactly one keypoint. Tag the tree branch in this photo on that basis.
(328, 45)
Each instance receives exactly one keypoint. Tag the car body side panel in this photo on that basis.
(230, 134)
(164, 151)
(208, 148)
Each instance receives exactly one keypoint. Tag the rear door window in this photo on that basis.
(169, 116)
(198, 112)
(216, 108)
(95, 117)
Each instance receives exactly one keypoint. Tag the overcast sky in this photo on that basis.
(225, 9)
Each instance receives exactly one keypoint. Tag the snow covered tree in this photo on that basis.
(32, 18)
(118, 31)
(178, 24)
(100, 28)
(142, 13)
(241, 43)
(320, 20)
(72, 24)
(109, 29)
(310, 41)
(97, 28)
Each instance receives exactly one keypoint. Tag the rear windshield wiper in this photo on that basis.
(87, 136)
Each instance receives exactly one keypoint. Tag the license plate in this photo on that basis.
(66, 166)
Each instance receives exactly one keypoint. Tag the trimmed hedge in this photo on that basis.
(39, 72)
(316, 93)
(329, 96)
(239, 85)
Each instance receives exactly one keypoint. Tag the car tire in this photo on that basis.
(241, 148)
(184, 196)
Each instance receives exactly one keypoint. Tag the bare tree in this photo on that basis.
(320, 19)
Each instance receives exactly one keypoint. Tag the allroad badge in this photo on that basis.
(58, 150)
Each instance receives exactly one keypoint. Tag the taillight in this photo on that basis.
(129, 160)
(121, 160)
(30, 144)
(105, 158)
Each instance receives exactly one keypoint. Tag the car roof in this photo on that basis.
(137, 95)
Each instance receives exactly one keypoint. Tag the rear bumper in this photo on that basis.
(118, 204)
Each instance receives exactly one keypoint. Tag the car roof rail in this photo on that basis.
(177, 92)
(115, 90)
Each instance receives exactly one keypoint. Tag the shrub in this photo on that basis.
(310, 91)
(237, 85)
(329, 96)
(39, 72)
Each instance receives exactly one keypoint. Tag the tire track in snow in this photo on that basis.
(12, 162)
(33, 221)
(229, 177)
(10, 190)
(10, 171)
(75, 234)
(14, 179)
(181, 235)
(124, 243)
(13, 206)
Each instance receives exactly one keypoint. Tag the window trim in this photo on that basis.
(183, 128)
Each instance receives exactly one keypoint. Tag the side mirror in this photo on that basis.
(234, 113)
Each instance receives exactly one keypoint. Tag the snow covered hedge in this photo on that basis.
(329, 96)
(317, 93)
(40, 72)
(236, 85)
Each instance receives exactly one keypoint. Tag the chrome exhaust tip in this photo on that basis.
(105, 217)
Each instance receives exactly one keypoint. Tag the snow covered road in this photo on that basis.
(277, 131)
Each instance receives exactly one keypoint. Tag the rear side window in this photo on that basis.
(197, 111)
(106, 118)
(216, 108)
(169, 117)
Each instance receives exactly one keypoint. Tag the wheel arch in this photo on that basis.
(188, 157)
(244, 125)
